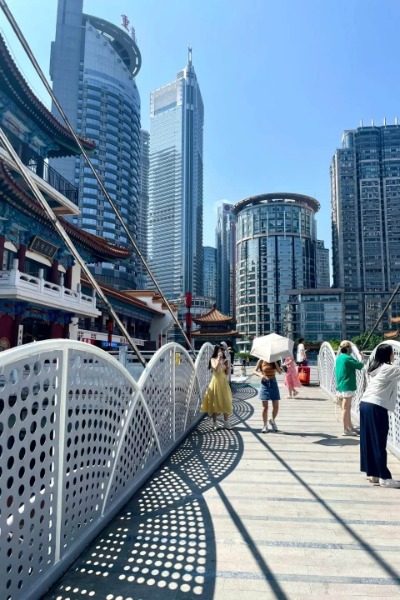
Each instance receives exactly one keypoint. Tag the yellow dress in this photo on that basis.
(218, 397)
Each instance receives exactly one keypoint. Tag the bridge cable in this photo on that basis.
(26, 47)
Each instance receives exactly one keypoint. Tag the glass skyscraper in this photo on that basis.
(225, 243)
(365, 184)
(93, 69)
(175, 224)
(143, 201)
(210, 272)
(275, 250)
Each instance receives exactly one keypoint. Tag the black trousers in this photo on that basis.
(374, 428)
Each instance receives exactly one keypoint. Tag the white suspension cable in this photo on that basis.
(43, 78)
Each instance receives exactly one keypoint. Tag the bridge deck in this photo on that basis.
(241, 515)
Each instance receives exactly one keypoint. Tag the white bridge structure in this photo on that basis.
(78, 436)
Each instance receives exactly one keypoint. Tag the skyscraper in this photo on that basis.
(93, 69)
(209, 272)
(226, 248)
(322, 265)
(175, 224)
(365, 183)
(143, 200)
(275, 245)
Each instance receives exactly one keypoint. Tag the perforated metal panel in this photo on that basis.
(29, 451)
(76, 434)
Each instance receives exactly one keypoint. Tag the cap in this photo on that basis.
(345, 344)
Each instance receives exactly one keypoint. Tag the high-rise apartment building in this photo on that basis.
(93, 69)
(365, 183)
(143, 201)
(275, 244)
(175, 223)
(209, 272)
(322, 265)
(226, 249)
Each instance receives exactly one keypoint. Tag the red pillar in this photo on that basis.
(54, 274)
(68, 278)
(21, 257)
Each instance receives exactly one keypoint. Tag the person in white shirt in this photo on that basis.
(379, 397)
(301, 355)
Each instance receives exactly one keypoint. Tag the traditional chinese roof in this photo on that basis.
(395, 319)
(12, 191)
(12, 81)
(212, 316)
(124, 297)
(391, 334)
(222, 334)
(153, 295)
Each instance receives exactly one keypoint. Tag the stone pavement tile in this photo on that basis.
(346, 591)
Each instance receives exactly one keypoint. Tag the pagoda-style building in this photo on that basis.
(393, 334)
(214, 327)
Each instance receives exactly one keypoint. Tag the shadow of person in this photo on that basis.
(339, 441)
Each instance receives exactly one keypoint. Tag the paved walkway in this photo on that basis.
(238, 515)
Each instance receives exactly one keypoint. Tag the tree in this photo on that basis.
(374, 340)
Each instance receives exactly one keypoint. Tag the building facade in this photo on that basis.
(93, 68)
(210, 272)
(275, 249)
(316, 314)
(143, 202)
(322, 265)
(175, 223)
(365, 184)
(226, 252)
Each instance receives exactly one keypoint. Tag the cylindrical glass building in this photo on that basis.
(276, 238)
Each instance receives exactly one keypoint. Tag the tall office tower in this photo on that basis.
(365, 184)
(322, 265)
(226, 248)
(175, 224)
(93, 69)
(275, 245)
(210, 272)
(143, 201)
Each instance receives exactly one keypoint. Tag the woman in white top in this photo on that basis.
(301, 355)
(379, 397)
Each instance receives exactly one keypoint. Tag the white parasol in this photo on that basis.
(271, 347)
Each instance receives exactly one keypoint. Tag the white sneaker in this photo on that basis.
(273, 425)
(391, 483)
(374, 480)
(227, 425)
(264, 429)
(349, 432)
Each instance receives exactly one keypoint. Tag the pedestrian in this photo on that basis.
(301, 353)
(346, 383)
(268, 391)
(218, 397)
(379, 397)
(292, 380)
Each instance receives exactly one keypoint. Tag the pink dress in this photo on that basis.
(291, 376)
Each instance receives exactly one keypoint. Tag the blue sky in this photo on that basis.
(280, 79)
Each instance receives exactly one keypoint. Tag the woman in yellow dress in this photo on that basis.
(218, 397)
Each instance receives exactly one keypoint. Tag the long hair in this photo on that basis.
(214, 354)
(382, 356)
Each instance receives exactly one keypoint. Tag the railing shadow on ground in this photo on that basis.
(162, 545)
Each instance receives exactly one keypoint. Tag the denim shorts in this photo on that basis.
(269, 390)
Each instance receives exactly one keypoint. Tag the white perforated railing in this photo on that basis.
(78, 436)
(326, 369)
